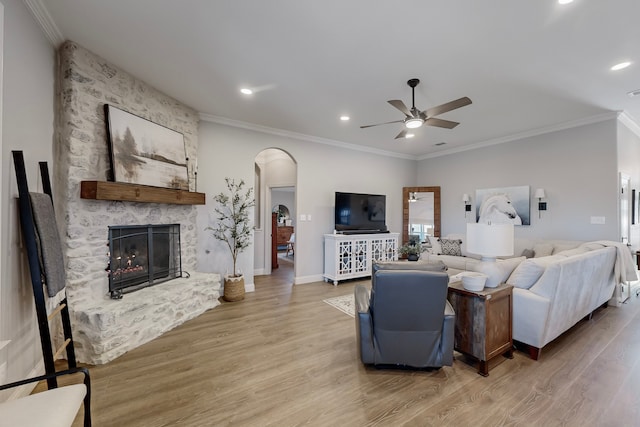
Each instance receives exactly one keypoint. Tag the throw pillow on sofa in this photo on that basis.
(435, 246)
(498, 271)
(542, 249)
(450, 247)
(528, 253)
(526, 274)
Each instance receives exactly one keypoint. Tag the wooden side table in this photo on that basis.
(483, 322)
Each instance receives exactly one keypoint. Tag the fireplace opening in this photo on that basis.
(141, 256)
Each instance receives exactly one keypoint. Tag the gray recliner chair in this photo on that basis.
(406, 320)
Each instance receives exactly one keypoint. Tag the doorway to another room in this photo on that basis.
(275, 210)
(283, 233)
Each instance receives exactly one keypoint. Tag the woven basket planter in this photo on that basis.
(233, 288)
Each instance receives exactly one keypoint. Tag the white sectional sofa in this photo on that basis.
(554, 291)
(466, 261)
(569, 286)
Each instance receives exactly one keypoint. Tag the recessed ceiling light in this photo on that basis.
(565, 1)
(246, 91)
(409, 135)
(620, 66)
(345, 118)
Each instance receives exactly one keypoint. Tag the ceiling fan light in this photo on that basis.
(413, 123)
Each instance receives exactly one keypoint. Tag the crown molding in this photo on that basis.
(288, 134)
(42, 16)
(621, 116)
(631, 124)
(526, 134)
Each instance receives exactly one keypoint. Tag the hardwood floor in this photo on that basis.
(282, 357)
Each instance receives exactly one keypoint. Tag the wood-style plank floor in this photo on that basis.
(282, 357)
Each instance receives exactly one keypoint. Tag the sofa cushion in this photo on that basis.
(571, 252)
(592, 246)
(450, 247)
(498, 271)
(542, 249)
(548, 260)
(456, 262)
(435, 245)
(526, 273)
(561, 246)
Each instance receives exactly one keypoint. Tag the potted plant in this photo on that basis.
(411, 251)
(232, 227)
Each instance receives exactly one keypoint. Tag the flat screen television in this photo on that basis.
(360, 213)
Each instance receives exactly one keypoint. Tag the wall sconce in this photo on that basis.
(467, 204)
(542, 206)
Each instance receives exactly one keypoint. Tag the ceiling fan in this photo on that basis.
(415, 196)
(415, 118)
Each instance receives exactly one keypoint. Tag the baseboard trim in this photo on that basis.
(301, 280)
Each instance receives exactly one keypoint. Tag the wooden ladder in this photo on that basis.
(29, 235)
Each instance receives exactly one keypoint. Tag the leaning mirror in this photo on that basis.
(420, 213)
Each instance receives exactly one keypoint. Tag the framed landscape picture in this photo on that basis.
(143, 152)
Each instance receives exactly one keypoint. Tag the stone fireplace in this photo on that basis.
(105, 328)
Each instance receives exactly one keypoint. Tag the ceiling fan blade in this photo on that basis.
(440, 109)
(402, 134)
(441, 123)
(400, 106)
(378, 124)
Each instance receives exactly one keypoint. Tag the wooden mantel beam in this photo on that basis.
(121, 191)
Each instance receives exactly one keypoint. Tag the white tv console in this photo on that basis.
(348, 256)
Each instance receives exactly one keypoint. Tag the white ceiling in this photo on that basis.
(527, 65)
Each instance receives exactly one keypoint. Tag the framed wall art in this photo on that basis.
(143, 152)
(504, 205)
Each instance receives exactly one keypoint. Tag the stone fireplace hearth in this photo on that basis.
(104, 328)
(110, 328)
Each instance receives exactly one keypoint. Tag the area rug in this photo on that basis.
(282, 257)
(344, 303)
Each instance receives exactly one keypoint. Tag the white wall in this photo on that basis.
(576, 167)
(322, 170)
(280, 172)
(28, 117)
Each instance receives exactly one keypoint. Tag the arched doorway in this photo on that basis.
(275, 189)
